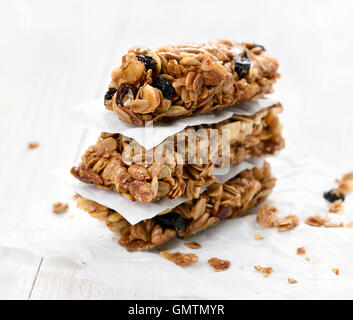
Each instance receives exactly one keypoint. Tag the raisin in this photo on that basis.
(163, 84)
(123, 90)
(223, 212)
(147, 60)
(109, 94)
(171, 220)
(257, 46)
(242, 65)
(333, 195)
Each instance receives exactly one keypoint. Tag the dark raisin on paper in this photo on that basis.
(163, 84)
(147, 60)
(171, 220)
(242, 65)
(109, 94)
(333, 195)
(123, 90)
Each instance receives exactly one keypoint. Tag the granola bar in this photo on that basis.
(217, 203)
(110, 163)
(191, 79)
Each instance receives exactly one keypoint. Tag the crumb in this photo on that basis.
(267, 216)
(336, 207)
(333, 225)
(192, 245)
(181, 259)
(219, 264)
(288, 223)
(258, 236)
(349, 225)
(33, 144)
(301, 251)
(71, 216)
(265, 271)
(60, 207)
(336, 271)
(258, 293)
(317, 220)
(307, 259)
(292, 281)
(345, 185)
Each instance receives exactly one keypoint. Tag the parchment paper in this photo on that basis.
(93, 115)
(301, 181)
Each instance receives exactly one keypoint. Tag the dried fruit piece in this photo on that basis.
(60, 207)
(125, 94)
(109, 94)
(164, 85)
(181, 259)
(147, 60)
(33, 145)
(334, 195)
(171, 220)
(192, 245)
(242, 65)
(219, 264)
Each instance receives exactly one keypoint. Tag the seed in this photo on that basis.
(125, 89)
(163, 84)
(147, 60)
(242, 65)
(333, 195)
(171, 220)
(109, 94)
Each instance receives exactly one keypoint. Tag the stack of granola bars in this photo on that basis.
(163, 86)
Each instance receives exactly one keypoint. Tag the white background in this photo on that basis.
(55, 54)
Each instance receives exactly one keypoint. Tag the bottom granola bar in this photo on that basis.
(218, 202)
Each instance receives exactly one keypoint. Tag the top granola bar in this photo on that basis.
(183, 80)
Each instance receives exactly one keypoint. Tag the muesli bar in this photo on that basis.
(217, 203)
(113, 164)
(191, 79)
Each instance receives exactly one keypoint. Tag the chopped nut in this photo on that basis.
(292, 281)
(181, 259)
(336, 271)
(301, 251)
(317, 220)
(336, 207)
(258, 236)
(33, 145)
(60, 207)
(267, 216)
(288, 223)
(192, 245)
(265, 271)
(219, 264)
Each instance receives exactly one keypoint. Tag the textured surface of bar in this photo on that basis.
(179, 81)
(110, 163)
(217, 203)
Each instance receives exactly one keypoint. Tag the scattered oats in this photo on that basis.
(345, 185)
(60, 207)
(349, 225)
(258, 236)
(288, 223)
(336, 271)
(265, 271)
(317, 220)
(301, 251)
(333, 225)
(307, 259)
(336, 207)
(219, 264)
(267, 216)
(181, 259)
(192, 245)
(292, 281)
(33, 144)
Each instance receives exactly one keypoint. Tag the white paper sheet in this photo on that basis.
(301, 181)
(134, 211)
(93, 115)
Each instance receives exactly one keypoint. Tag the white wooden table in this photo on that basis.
(55, 54)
